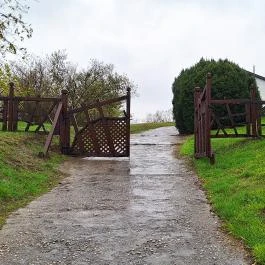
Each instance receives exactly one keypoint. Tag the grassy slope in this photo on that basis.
(236, 187)
(140, 127)
(23, 175)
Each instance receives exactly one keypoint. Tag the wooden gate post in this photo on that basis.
(197, 93)
(5, 115)
(128, 119)
(65, 124)
(10, 107)
(253, 112)
(208, 116)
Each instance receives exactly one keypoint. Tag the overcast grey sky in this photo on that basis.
(150, 40)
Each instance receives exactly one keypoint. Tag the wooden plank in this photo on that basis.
(97, 104)
(74, 122)
(15, 114)
(50, 135)
(38, 99)
(229, 101)
(128, 121)
(5, 110)
(10, 107)
(231, 135)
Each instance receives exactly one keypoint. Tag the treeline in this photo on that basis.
(48, 76)
(160, 116)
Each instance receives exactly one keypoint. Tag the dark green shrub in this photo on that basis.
(229, 81)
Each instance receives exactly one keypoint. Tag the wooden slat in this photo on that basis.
(228, 101)
(97, 104)
(50, 135)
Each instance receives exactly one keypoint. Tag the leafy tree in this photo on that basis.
(5, 77)
(48, 76)
(13, 28)
(229, 81)
(160, 116)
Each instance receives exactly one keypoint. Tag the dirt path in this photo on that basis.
(148, 210)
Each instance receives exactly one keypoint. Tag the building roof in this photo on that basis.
(257, 76)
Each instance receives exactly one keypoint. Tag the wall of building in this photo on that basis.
(261, 87)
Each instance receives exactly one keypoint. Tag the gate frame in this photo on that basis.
(69, 116)
(203, 118)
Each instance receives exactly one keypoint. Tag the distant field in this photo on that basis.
(141, 127)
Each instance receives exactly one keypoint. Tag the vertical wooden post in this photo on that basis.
(248, 118)
(197, 92)
(10, 106)
(128, 120)
(15, 114)
(5, 115)
(64, 124)
(208, 116)
(253, 111)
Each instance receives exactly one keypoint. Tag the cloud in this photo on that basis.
(150, 40)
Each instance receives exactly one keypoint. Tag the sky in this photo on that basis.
(150, 41)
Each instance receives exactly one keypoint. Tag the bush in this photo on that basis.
(229, 81)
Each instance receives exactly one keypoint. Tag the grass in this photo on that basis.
(236, 187)
(24, 176)
(141, 127)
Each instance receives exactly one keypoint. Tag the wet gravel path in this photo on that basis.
(148, 210)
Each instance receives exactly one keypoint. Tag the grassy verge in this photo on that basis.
(236, 187)
(24, 176)
(141, 127)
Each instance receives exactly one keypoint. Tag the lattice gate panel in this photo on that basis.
(104, 137)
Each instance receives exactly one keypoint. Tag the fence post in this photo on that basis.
(208, 116)
(248, 118)
(5, 115)
(253, 111)
(128, 118)
(64, 124)
(197, 92)
(10, 106)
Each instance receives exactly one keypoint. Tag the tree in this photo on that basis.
(229, 81)
(48, 76)
(160, 116)
(13, 28)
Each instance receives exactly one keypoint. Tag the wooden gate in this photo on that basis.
(239, 118)
(202, 121)
(98, 131)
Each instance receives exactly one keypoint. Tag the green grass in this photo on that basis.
(236, 187)
(141, 127)
(24, 176)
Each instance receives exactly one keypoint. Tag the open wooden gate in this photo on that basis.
(99, 132)
(239, 118)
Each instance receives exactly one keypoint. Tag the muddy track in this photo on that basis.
(146, 210)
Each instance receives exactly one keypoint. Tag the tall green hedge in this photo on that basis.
(229, 81)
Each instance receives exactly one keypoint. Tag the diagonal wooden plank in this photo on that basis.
(50, 135)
